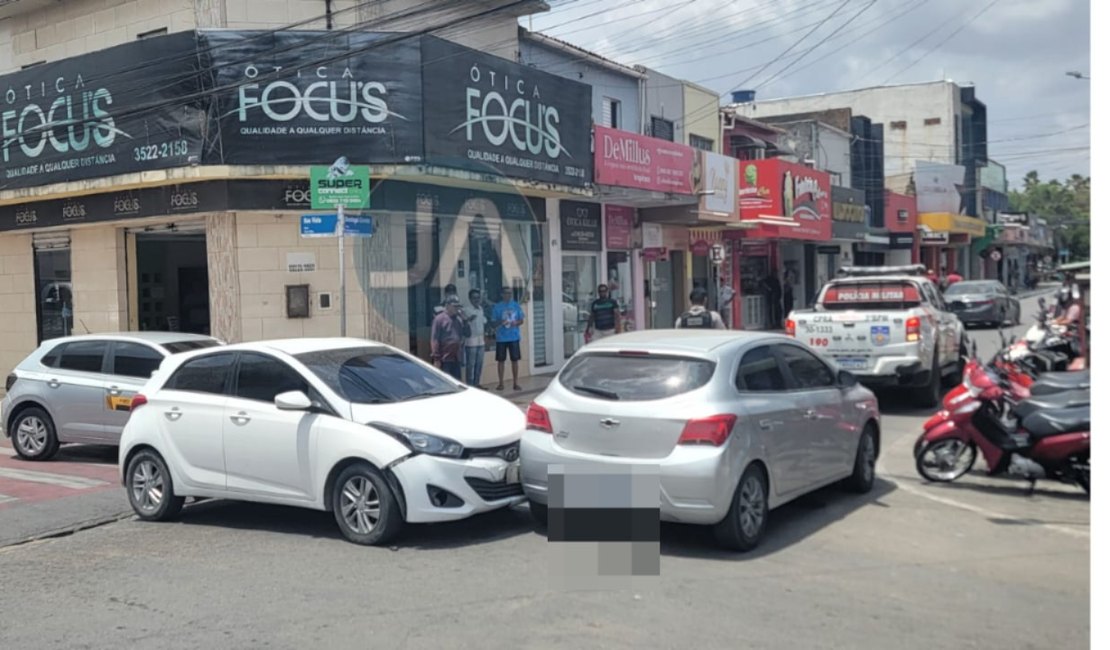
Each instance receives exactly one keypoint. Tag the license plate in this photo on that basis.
(853, 364)
(512, 472)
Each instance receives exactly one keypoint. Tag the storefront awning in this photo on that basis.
(953, 223)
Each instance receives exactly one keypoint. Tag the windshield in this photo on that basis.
(177, 347)
(376, 375)
(619, 377)
(962, 288)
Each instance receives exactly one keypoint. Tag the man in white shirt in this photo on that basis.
(475, 344)
(725, 294)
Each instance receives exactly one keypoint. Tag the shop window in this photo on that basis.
(54, 290)
(662, 128)
(620, 286)
(698, 142)
(611, 113)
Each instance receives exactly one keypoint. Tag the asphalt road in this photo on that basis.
(978, 564)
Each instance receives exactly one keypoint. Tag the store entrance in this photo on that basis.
(169, 282)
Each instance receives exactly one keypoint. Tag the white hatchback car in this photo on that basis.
(359, 428)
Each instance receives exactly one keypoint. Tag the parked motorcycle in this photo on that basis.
(1040, 436)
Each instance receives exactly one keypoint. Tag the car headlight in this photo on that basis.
(421, 442)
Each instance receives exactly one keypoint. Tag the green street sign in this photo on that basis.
(340, 185)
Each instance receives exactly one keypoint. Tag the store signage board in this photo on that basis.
(341, 184)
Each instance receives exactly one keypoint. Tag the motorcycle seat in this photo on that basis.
(1058, 382)
(1043, 424)
(1056, 401)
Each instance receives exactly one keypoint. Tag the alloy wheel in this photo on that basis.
(360, 505)
(147, 486)
(32, 435)
(751, 506)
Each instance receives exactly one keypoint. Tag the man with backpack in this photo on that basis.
(697, 316)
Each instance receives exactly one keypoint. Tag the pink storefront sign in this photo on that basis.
(619, 222)
(624, 159)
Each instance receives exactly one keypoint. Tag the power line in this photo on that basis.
(945, 40)
(818, 44)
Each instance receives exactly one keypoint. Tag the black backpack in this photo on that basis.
(689, 320)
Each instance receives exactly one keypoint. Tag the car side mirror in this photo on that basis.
(845, 379)
(294, 400)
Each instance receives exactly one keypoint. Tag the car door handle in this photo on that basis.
(174, 414)
(861, 406)
(54, 383)
(811, 415)
(240, 418)
(767, 425)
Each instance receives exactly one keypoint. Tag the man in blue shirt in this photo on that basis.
(508, 316)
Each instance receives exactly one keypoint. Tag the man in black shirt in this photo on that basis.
(605, 316)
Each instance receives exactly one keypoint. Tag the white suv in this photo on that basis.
(889, 326)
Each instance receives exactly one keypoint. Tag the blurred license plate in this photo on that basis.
(853, 364)
(512, 472)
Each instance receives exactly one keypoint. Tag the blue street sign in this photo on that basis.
(319, 225)
(358, 225)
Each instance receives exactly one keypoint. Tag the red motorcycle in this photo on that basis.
(1038, 436)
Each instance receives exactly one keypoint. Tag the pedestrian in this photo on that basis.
(475, 355)
(772, 291)
(788, 280)
(449, 333)
(450, 291)
(605, 316)
(698, 316)
(954, 278)
(508, 316)
(725, 295)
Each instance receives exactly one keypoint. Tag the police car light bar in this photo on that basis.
(872, 271)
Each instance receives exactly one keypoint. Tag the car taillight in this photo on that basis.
(137, 401)
(913, 329)
(713, 430)
(791, 327)
(538, 418)
(12, 378)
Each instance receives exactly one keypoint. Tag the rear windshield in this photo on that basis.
(963, 288)
(872, 294)
(177, 347)
(376, 375)
(635, 377)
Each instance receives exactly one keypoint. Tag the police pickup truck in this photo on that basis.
(889, 326)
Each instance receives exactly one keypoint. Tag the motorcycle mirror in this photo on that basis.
(1041, 302)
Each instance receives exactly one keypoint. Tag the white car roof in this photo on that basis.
(155, 338)
(707, 342)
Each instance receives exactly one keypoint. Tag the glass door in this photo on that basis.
(580, 281)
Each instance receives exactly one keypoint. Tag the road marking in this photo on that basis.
(5, 498)
(988, 514)
(75, 482)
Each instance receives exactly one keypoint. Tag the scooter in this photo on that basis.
(1038, 437)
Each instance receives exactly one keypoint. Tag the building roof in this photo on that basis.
(847, 92)
(585, 55)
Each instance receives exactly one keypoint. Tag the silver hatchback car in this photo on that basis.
(79, 388)
(735, 423)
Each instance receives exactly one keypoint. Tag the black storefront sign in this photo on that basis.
(484, 113)
(398, 196)
(303, 97)
(580, 226)
(129, 108)
(849, 213)
(127, 204)
(901, 241)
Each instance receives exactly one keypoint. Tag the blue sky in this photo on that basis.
(1016, 52)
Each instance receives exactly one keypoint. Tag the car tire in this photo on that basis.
(539, 512)
(743, 527)
(354, 494)
(928, 396)
(33, 435)
(863, 472)
(150, 487)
